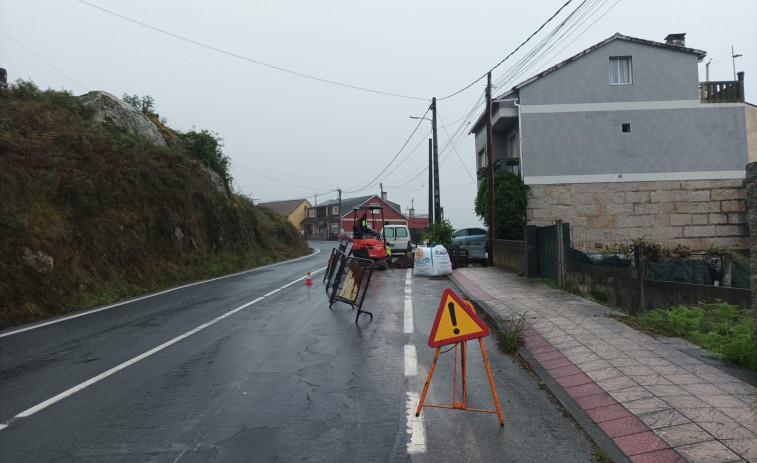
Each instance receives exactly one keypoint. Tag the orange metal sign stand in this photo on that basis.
(446, 314)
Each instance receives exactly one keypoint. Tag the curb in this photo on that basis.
(592, 429)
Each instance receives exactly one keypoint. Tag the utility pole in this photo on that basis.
(430, 181)
(340, 211)
(490, 164)
(733, 58)
(437, 199)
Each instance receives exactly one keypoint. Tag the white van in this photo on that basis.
(398, 237)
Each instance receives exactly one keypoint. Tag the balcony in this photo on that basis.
(722, 91)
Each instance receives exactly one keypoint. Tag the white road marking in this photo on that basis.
(415, 426)
(90, 312)
(411, 360)
(116, 369)
(408, 314)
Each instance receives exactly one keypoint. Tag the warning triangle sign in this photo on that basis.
(456, 321)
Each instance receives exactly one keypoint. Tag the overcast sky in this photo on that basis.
(290, 133)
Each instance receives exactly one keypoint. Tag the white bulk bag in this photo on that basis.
(431, 261)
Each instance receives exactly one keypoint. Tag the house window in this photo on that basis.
(625, 128)
(335, 210)
(334, 228)
(311, 213)
(621, 72)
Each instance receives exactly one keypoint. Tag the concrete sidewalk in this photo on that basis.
(641, 398)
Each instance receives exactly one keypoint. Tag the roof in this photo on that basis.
(618, 36)
(348, 204)
(285, 207)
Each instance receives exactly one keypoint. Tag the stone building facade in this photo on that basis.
(694, 213)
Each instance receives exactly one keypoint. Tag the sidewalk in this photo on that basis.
(641, 398)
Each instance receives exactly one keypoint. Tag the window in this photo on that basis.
(620, 70)
(334, 228)
(389, 232)
(401, 232)
(625, 128)
(335, 210)
(311, 213)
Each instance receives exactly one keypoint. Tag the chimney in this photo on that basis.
(676, 40)
(383, 196)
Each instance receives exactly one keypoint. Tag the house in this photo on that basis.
(293, 210)
(330, 219)
(622, 141)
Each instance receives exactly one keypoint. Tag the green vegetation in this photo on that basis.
(510, 197)
(510, 334)
(439, 232)
(144, 104)
(719, 327)
(90, 214)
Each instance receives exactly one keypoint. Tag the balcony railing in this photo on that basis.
(722, 92)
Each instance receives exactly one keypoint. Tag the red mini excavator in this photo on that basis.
(366, 242)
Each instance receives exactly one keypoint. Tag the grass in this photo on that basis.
(720, 327)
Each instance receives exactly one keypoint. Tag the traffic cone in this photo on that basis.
(308, 282)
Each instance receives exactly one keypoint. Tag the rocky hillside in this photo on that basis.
(97, 203)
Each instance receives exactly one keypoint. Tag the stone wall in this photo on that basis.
(694, 213)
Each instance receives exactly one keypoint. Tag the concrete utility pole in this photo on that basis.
(490, 164)
(437, 198)
(430, 181)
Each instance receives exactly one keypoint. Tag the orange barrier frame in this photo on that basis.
(462, 405)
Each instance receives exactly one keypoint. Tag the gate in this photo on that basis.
(547, 249)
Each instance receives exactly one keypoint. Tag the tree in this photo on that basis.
(510, 199)
(144, 104)
(440, 233)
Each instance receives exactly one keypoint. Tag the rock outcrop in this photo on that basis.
(109, 108)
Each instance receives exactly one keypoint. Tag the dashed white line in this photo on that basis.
(411, 360)
(415, 426)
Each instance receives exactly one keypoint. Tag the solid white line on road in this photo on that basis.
(295, 281)
(128, 363)
(411, 360)
(415, 426)
(90, 312)
(116, 369)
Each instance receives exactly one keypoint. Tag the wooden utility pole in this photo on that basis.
(339, 231)
(437, 199)
(430, 181)
(490, 164)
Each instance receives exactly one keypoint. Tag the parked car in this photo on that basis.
(474, 240)
(346, 236)
(398, 237)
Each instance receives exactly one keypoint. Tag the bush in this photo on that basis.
(207, 147)
(440, 232)
(510, 197)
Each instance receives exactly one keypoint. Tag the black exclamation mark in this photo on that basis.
(451, 306)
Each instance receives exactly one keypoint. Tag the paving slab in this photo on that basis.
(641, 398)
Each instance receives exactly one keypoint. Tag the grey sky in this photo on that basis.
(294, 137)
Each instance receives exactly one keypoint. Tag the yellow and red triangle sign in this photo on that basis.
(456, 321)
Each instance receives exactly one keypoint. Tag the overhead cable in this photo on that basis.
(506, 57)
(260, 63)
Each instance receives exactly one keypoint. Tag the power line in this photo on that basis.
(371, 183)
(44, 61)
(237, 164)
(260, 63)
(508, 56)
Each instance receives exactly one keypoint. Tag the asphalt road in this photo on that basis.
(257, 367)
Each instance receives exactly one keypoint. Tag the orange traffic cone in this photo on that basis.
(308, 282)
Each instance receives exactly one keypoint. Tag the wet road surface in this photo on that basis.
(256, 367)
